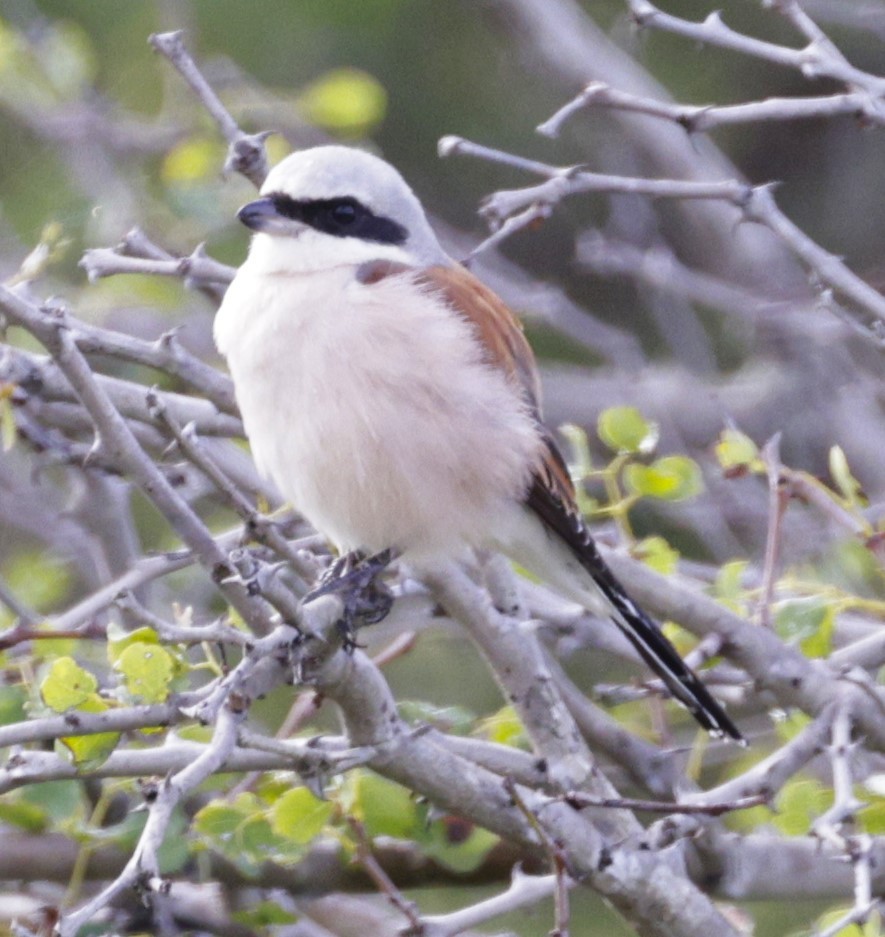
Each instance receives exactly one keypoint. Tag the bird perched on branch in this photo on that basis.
(394, 400)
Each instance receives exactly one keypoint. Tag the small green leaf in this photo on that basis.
(67, 685)
(791, 724)
(735, 450)
(799, 803)
(299, 816)
(808, 623)
(192, 160)
(452, 719)
(89, 751)
(147, 670)
(219, 820)
(872, 817)
(12, 704)
(673, 478)
(119, 640)
(729, 586)
(8, 428)
(872, 927)
(386, 808)
(658, 554)
(625, 429)
(26, 816)
(59, 800)
(848, 485)
(505, 728)
(457, 843)
(264, 914)
(346, 101)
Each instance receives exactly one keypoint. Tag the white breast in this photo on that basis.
(371, 409)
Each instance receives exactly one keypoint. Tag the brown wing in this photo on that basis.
(551, 494)
(507, 349)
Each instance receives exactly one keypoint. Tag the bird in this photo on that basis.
(394, 400)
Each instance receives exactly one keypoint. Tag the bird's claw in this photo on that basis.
(354, 578)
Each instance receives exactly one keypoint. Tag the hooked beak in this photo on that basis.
(258, 215)
(262, 216)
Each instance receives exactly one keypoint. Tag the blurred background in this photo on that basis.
(100, 134)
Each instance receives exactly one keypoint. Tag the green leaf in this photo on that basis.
(658, 554)
(346, 101)
(452, 719)
(147, 670)
(264, 914)
(625, 429)
(37, 579)
(119, 639)
(192, 160)
(218, 821)
(847, 484)
(299, 816)
(505, 728)
(67, 685)
(89, 751)
(59, 800)
(8, 427)
(673, 478)
(385, 808)
(791, 724)
(872, 817)
(457, 843)
(26, 816)
(12, 704)
(735, 450)
(728, 586)
(799, 803)
(808, 623)
(871, 928)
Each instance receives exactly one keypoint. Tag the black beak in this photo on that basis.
(259, 215)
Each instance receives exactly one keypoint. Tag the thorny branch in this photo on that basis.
(519, 207)
(464, 775)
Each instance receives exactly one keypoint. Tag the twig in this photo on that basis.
(261, 528)
(73, 722)
(246, 152)
(817, 60)
(778, 498)
(197, 270)
(580, 801)
(754, 203)
(382, 880)
(143, 870)
(38, 375)
(696, 118)
(114, 435)
(325, 755)
(845, 805)
(524, 890)
(661, 269)
(216, 632)
(25, 615)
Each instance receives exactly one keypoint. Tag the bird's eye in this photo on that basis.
(344, 213)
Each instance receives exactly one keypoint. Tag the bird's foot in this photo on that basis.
(355, 578)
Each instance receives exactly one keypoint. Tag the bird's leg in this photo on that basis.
(356, 579)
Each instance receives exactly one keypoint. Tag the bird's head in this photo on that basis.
(331, 206)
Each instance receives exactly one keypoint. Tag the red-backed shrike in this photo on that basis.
(393, 398)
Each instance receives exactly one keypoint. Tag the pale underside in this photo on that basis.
(347, 395)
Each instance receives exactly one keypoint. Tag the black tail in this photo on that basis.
(642, 632)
